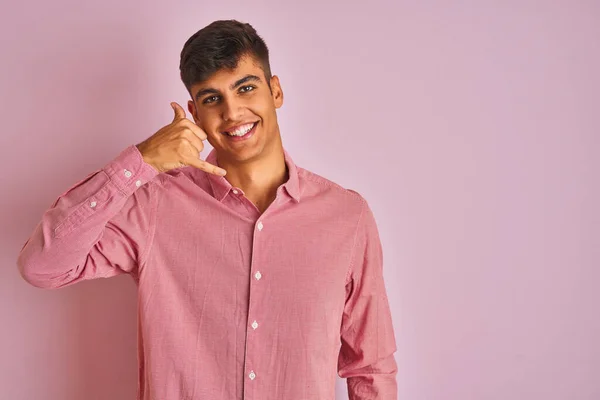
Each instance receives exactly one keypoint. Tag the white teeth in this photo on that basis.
(241, 131)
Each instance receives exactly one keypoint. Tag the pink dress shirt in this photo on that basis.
(232, 303)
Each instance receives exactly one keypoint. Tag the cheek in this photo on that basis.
(208, 122)
(263, 108)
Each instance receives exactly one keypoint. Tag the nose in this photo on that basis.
(232, 110)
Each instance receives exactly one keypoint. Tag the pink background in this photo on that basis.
(472, 129)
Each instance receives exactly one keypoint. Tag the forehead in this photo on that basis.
(222, 79)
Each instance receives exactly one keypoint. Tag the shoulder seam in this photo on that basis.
(311, 176)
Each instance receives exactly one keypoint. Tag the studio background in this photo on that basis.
(471, 128)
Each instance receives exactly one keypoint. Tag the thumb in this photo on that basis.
(179, 111)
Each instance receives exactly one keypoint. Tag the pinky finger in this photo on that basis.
(205, 166)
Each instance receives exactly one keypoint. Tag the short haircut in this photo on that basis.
(220, 45)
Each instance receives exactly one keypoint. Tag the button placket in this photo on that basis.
(257, 276)
(254, 325)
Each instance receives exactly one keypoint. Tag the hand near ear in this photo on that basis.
(176, 145)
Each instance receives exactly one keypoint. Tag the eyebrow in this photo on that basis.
(237, 83)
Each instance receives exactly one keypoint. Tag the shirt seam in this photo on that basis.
(312, 177)
(151, 232)
(321, 181)
(349, 272)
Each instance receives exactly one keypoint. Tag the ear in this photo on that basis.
(192, 110)
(276, 91)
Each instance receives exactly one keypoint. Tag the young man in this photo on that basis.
(257, 284)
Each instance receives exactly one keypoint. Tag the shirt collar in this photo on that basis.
(221, 186)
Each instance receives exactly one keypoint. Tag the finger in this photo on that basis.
(195, 129)
(179, 111)
(194, 142)
(205, 166)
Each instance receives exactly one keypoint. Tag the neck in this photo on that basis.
(260, 178)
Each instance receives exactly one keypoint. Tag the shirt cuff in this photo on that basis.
(128, 171)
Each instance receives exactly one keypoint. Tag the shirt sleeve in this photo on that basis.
(97, 228)
(366, 355)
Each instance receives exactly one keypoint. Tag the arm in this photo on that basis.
(366, 356)
(99, 227)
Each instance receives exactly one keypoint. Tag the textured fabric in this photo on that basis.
(232, 304)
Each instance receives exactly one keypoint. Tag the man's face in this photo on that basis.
(236, 109)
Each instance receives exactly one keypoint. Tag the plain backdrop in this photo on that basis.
(471, 127)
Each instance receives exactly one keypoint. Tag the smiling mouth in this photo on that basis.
(241, 130)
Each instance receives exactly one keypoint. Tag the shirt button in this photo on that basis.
(257, 275)
(252, 375)
(260, 226)
(93, 204)
(138, 183)
(127, 173)
(255, 325)
(235, 191)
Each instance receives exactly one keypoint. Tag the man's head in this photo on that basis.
(225, 68)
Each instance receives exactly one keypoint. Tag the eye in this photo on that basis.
(247, 88)
(210, 99)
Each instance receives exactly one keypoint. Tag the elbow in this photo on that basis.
(29, 275)
(31, 271)
(362, 366)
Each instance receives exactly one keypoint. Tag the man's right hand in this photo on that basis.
(177, 145)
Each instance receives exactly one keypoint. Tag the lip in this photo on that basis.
(248, 135)
(231, 128)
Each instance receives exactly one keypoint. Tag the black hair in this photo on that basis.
(220, 45)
